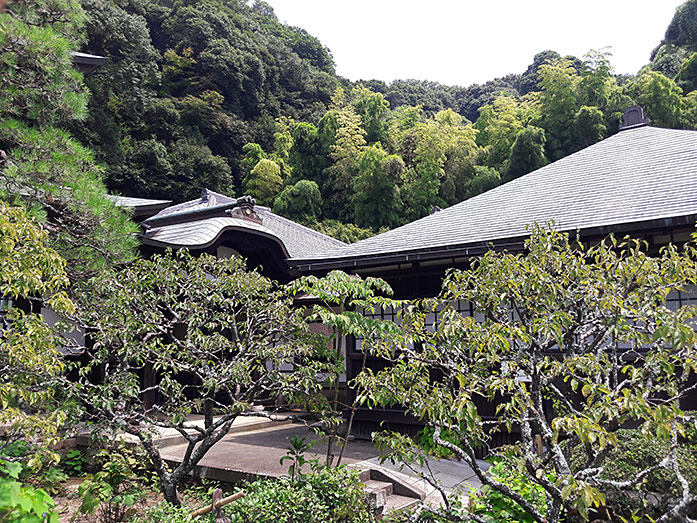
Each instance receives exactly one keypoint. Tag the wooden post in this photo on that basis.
(218, 502)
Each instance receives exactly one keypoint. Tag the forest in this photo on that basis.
(220, 94)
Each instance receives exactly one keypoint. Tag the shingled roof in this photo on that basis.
(638, 175)
(197, 224)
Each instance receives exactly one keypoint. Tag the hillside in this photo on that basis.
(220, 94)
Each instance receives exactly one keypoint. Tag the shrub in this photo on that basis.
(23, 502)
(331, 495)
(634, 453)
(73, 463)
(113, 492)
(494, 506)
(166, 513)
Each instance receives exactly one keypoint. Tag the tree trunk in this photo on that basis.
(353, 409)
(335, 401)
(169, 491)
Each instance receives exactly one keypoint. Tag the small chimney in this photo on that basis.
(634, 117)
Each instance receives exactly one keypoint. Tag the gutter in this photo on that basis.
(516, 243)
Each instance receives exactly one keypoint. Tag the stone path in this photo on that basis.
(252, 450)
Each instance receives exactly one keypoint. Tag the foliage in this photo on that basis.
(208, 336)
(633, 453)
(573, 343)
(527, 153)
(214, 75)
(485, 178)
(341, 299)
(296, 454)
(349, 143)
(218, 84)
(263, 182)
(22, 502)
(113, 492)
(347, 233)
(30, 363)
(73, 463)
(300, 202)
(326, 496)
(492, 505)
(377, 201)
(44, 165)
(166, 513)
(661, 98)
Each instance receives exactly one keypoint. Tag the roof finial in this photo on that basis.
(634, 117)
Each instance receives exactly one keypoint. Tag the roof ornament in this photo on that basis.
(634, 117)
(245, 210)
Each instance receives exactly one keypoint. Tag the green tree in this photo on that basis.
(300, 202)
(527, 153)
(31, 366)
(661, 99)
(558, 105)
(373, 109)
(498, 125)
(439, 155)
(345, 232)
(687, 76)
(377, 198)
(44, 164)
(264, 182)
(589, 126)
(349, 143)
(573, 343)
(340, 299)
(253, 154)
(210, 337)
(485, 178)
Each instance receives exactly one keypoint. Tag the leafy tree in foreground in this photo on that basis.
(30, 364)
(341, 298)
(574, 343)
(208, 336)
(40, 95)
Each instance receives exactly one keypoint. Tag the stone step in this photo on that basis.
(364, 475)
(387, 493)
(395, 503)
(373, 485)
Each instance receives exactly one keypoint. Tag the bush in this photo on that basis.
(331, 495)
(23, 502)
(166, 513)
(73, 463)
(328, 496)
(494, 506)
(636, 452)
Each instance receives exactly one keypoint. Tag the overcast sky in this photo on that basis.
(460, 42)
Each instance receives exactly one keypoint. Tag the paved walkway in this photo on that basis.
(252, 451)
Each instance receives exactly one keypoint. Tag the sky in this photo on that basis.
(461, 42)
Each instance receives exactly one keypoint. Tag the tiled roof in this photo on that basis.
(637, 175)
(128, 202)
(299, 241)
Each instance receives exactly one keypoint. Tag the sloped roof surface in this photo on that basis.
(299, 241)
(640, 174)
(127, 201)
